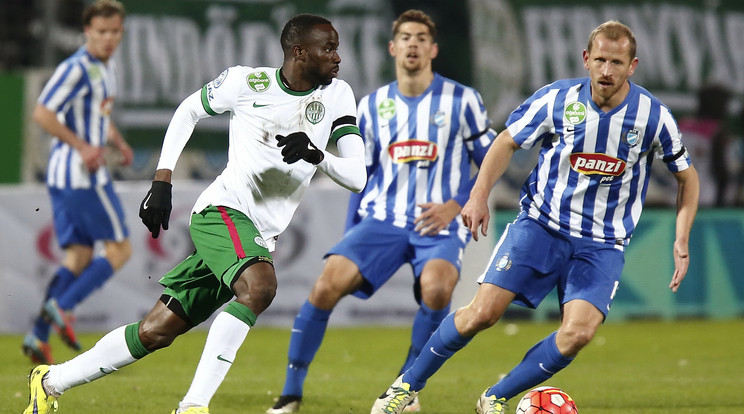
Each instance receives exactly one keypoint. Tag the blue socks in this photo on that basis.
(424, 325)
(307, 335)
(94, 276)
(541, 362)
(62, 279)
(442, 344)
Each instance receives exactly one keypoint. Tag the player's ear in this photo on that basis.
(298, 52)
(391, 48)
(434, 50)
(633, 66)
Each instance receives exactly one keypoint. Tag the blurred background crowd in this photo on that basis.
(505, 48)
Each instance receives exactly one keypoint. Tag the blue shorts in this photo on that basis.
(531, 259)
(379, 249)
(84, 216)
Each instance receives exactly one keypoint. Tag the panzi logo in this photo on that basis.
(590, 163)
(413, 150)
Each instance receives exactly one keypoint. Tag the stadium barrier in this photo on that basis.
(29, 254)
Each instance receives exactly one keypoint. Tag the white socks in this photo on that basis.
(108, 355)
(225, 337)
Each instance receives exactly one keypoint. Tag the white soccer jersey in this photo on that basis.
(256, 181)
(81, 91)
(421, 149)
(593, 168)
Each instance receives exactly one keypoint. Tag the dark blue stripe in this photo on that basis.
(445, 153)
(375, 181)
(393, 128)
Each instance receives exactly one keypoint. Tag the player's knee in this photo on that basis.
(327, 291)
(474, 320)
(154, 338)
(436, 297)
(263, 293)
(259, 295)
(572, 340)
(118, 253)
(77, 258)
(332, 285)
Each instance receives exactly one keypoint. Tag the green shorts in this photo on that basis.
(226, 242)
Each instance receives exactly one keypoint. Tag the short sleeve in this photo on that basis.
(66, 83)
(531, 120)
(671, 150)
(222, 93)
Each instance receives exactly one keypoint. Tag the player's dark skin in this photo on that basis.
(312, 62)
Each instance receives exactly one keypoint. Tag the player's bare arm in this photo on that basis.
(92, 156)
(688, 193)
(475, 212)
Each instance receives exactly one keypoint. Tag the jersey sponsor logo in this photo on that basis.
(314, 112)
(210, 92)
(258, 105)
(591, 163)
(575, 113)
(386, 109)
(221, 78)
(258, 81)
(413, 150)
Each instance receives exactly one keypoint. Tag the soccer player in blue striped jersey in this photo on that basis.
(75, 108)
(597, 138)
(423, 133)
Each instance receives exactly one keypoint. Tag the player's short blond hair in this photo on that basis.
(416, 16)
(103, 8)
(614, 30)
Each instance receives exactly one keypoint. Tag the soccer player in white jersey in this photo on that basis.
(597, 137)
(75, 108)
(423, 132)
(281, 121)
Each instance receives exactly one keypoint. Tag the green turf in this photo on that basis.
(638, 367)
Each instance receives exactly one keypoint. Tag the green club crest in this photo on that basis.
(575, 113)
(94, 72)
(386, 109)
(258, 81)
(314, 112)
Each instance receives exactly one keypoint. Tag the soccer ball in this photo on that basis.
(547, 400)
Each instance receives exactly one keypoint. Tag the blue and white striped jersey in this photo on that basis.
(420, 149)
(81, 91)
(593, 168)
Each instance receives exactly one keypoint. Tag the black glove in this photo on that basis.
(156, 207)
(297, 146)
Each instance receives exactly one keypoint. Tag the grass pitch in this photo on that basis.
(649, 367)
